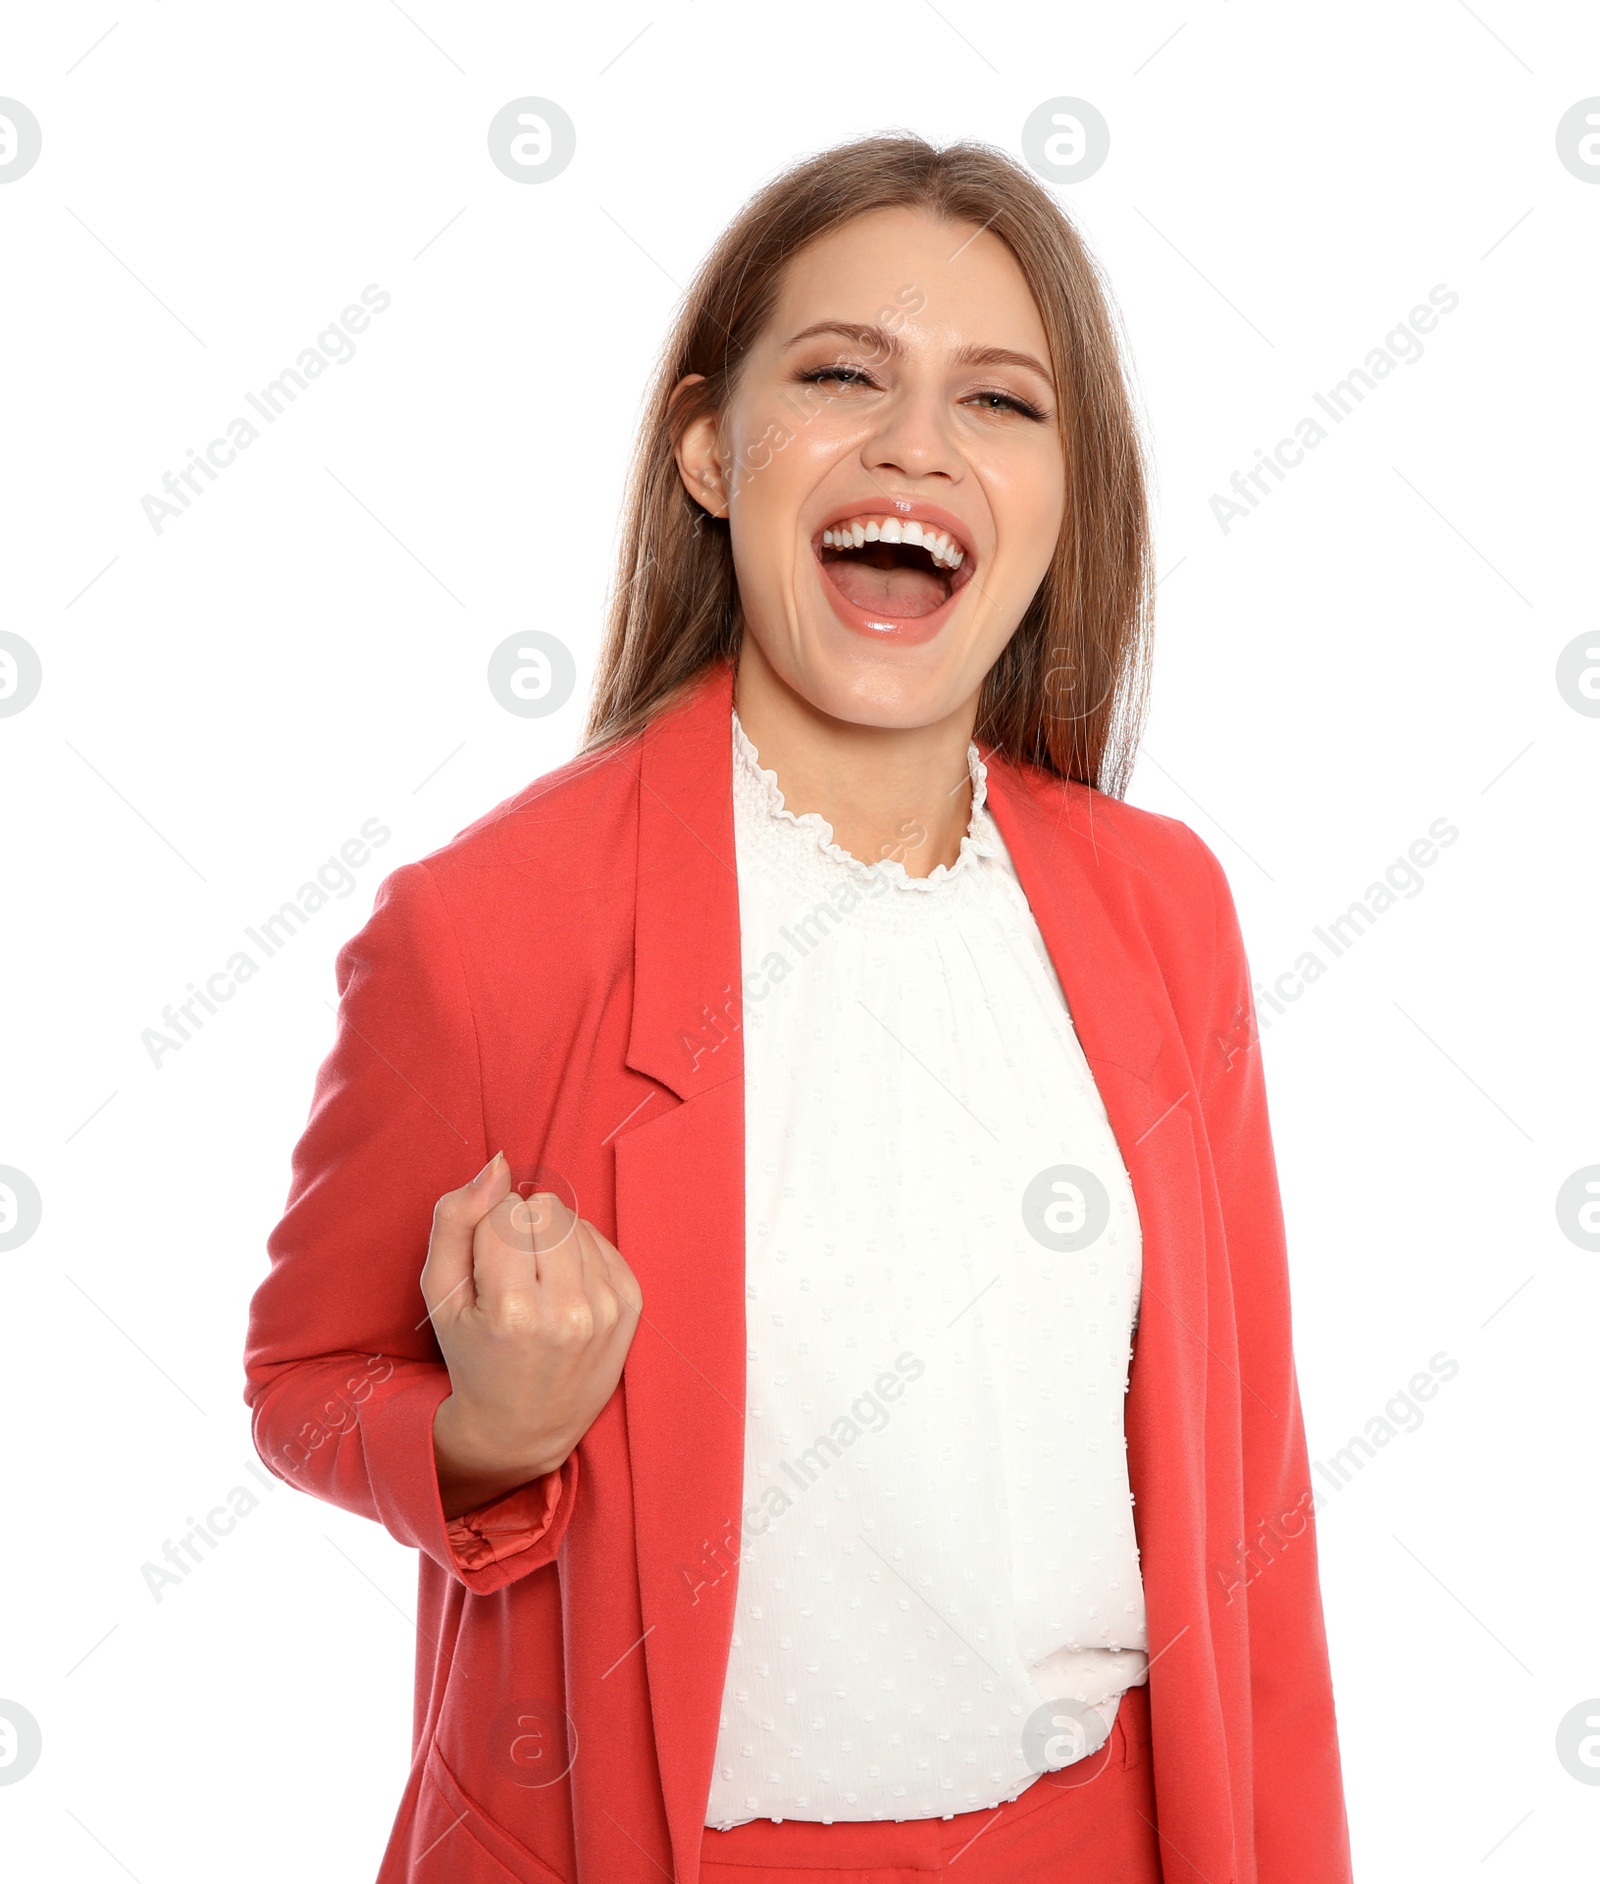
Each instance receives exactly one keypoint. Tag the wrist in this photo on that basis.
(471, 1445)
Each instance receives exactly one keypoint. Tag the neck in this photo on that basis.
(888, 791)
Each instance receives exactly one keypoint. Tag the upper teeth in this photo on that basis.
(939, 544)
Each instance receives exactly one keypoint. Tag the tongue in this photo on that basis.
(894, 590)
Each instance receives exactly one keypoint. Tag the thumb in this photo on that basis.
(447, 1274)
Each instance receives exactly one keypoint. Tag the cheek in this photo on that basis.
(780, 450)
(1027, 497)
(758, 440)
(778, 460)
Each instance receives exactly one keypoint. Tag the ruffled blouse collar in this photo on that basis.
(757, 789)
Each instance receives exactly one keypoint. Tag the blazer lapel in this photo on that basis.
(680, 1217)
(1055, 849)
(1130, 1037)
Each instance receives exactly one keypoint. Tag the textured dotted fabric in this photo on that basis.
(942, 1280)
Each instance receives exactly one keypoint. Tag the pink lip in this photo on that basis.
(909, 631)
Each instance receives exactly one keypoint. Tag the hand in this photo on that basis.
(534, 1312)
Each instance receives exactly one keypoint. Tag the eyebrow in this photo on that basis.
(881, 341)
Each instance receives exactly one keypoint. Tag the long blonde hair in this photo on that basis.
(1069, 690)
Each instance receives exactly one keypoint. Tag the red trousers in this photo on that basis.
(1093, 1823)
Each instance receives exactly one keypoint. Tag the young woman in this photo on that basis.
(853, 1083)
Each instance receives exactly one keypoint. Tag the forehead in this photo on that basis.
(963, 282)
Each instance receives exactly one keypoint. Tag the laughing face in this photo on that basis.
(890, 464)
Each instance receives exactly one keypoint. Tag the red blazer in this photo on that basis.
(562, 981)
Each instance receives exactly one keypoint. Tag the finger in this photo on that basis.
(614, 1293)
(447, 1273)
(504, 1265)
(619, 1277)
(557, 1233)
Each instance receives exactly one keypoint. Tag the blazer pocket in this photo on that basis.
(456, 1841)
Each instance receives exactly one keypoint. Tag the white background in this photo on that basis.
(225, 702)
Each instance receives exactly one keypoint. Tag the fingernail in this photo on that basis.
(488, 1168)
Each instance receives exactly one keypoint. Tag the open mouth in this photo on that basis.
(893, 569)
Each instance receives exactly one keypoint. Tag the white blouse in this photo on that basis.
(942, 1277)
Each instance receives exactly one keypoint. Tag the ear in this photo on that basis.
(699, 463)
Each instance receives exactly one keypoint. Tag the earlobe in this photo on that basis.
(705, 487)
(696, 453)
(702, 478)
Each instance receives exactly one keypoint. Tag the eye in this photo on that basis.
(996, 401)
(842, 375)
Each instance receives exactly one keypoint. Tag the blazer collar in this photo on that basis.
(686, 919)
(686, 930)
(1074, 880)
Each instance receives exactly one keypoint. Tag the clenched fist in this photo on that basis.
(534, 1312)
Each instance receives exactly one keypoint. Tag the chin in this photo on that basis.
(895, 688)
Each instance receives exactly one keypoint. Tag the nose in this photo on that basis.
(914, 438)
